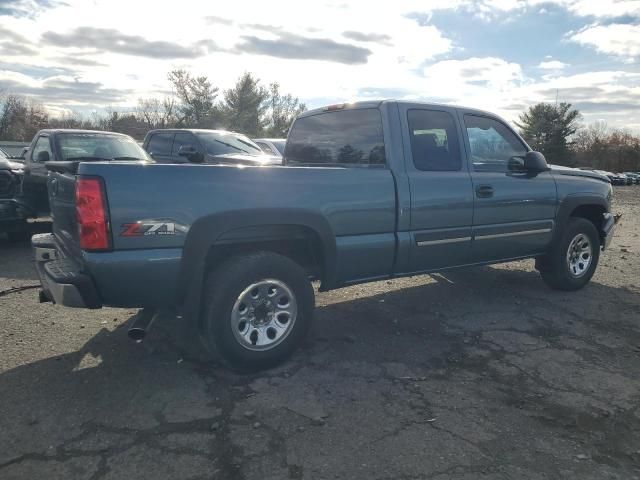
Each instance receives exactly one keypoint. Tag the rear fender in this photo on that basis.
(212, 229)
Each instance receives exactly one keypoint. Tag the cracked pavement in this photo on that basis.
(477, 374)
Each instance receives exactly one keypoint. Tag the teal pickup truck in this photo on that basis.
(368, 191)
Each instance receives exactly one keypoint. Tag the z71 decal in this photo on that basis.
(141, 229)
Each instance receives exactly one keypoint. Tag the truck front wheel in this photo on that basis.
(572, 261)
(258, 309)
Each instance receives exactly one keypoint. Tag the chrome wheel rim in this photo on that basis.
(263, 315)
(579, 255)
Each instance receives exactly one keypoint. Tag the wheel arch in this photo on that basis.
(589, 207)
(213, 238)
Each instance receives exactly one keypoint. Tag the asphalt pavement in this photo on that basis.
(482, 373)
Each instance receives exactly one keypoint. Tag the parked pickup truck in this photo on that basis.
(369, 191)
(23, 182)
(180, 145)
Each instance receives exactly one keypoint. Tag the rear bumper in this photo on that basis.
(608, 228)
(61, 277)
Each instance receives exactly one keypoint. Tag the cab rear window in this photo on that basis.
(342, 138)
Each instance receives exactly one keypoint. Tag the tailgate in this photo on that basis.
(61, 187)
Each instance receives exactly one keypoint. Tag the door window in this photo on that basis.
(42, 150)
(434, 141)
(183, 139)
(494, 147)
(160, 144)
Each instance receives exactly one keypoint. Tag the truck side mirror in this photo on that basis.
(42, 156)
(534, 162)
(190, 153)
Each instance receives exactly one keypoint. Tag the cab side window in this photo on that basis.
(42, 150)
(160, 144)
(434, 141)
(494, 147)
(182, 139)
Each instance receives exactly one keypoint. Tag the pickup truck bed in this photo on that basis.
(369, 191)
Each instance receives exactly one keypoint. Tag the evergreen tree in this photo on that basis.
(547, 128)
(245, 105)
(197, 99)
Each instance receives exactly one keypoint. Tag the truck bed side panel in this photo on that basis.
(358, 204)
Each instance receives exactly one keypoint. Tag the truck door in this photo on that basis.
(440, 186)
(514, 210)
(34, 186)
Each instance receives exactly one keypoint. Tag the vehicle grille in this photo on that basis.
(8, 184)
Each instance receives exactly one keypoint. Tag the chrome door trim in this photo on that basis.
(424, 243)
(512, 234)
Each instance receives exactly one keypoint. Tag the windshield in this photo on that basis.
(279, 144)
(226, 143)
(99, 146)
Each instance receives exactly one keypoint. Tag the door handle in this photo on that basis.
(484, 191)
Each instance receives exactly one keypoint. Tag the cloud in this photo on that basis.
(16, 49)
(212, 20)
(62, 89)
(602, 8)
(292, 46)
(490, 9)
(492, 72)
(552, 65)
(26, 8)
(617, 39)
(367, 37)
(111, 40)
(79, 61)
(14, 44)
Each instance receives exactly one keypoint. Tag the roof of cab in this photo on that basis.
(378, 103)
(49, 131)
(193, 130)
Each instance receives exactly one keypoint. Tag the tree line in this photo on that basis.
(254, 109)
(248, 107)
(554, 130)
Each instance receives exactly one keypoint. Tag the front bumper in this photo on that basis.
(609, 223)
(61, 277)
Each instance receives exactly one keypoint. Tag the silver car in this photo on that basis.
(271, 146)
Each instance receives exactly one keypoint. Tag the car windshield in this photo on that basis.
(226, 143)
(279, 144)
(75, 146)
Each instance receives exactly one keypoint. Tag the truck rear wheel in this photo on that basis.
(258, 309)
(572, 261)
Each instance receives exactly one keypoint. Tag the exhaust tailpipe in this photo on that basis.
(141, 324)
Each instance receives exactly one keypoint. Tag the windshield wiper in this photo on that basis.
(230, 145)
(89, 158)
(130, 158)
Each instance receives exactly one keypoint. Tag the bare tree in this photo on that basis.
(157, 113)
(21, 118)
(283, 109)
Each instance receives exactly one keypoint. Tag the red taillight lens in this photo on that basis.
(91, 214)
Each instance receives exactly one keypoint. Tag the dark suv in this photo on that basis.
(204, 146)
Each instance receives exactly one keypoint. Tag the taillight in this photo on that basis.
(91, 214)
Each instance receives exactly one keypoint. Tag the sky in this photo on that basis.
(499, 55)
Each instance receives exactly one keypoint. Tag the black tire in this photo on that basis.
(222, 292)
(555, 267)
